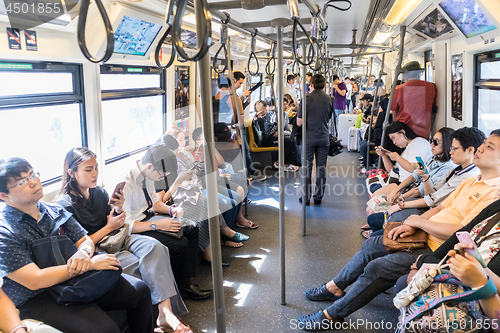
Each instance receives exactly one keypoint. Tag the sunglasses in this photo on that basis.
(434, 142)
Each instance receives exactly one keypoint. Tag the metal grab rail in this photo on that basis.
(82, 22)
(252, 54)
(204, 31)
(223, 41)
(158, 49)
(273, 59)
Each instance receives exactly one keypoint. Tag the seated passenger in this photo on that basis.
(266, 125)
(143, 257)
(403, 137)
(25, 219)
(373, 270)
(235, 181)
(437, 166)
(465, 142)
(229, 203)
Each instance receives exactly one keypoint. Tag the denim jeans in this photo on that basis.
(320, 151)
(371, 271)
(228, 207)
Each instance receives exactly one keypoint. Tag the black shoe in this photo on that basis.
(307, 202)
(208, 263)
(194, 292)
(317, 201)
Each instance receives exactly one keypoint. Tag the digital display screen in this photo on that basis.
(135, 36)
(434, 24)
(468, 17)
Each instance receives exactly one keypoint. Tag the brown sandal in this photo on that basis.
(250, 225)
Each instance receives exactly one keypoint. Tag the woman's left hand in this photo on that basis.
(468, 270)
(421, 173)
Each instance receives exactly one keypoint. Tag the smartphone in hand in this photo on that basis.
(464, 237)
(118, 188)
(422, 165)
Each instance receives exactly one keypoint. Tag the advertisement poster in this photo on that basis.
(456, 85)
(185, 128)
(181, 92)
(31, 42)
(14, 37)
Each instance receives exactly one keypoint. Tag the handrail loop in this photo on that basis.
(223, 41)
(295, 65)
(309, 58)
(204, 33)
(253, 43)
(273, 59)
(171, 8)
(110, 37)
(319, 57)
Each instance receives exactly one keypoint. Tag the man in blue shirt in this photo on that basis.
(24, 219)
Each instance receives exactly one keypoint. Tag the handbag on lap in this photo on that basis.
(414, 242)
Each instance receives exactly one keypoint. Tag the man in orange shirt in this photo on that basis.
(373, 270)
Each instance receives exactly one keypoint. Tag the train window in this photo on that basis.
(133, 109)
(487, 91)
(41, 110)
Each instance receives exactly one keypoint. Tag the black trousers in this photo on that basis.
(290, 148)
(129, 294)
(183, 253)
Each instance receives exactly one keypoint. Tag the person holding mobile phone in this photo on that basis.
(89, 204)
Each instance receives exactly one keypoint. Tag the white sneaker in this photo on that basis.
(292, 168)
(276, 165)
(363, 170)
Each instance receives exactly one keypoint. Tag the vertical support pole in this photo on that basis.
(240, 116)
(303, 169)
(211, 180)
(397, 71)
(374, 105)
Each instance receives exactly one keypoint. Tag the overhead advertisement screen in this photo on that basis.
(467, 16)
(135, 36)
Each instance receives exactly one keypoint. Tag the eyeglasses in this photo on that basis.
(454, 148)
(435, 142)
(162, 174)
(23, 181)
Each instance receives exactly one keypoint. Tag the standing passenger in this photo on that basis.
(319, 107)
(339, 92)
(290, 87)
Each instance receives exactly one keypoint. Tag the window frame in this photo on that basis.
(488, 84)
(115, 94)
(50, 99)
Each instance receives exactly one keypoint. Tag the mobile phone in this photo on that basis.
(464, 237)
(118, 188)
(256, 86)
(422, 164)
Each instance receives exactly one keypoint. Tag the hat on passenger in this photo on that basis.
(367, 97)
(412, 66)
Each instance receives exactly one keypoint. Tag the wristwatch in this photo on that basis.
(153, 226)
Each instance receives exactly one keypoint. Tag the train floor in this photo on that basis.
(252, 287)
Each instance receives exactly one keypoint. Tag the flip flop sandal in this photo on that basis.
(366, 226)
(250, 226)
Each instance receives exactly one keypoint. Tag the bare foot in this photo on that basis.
(167, 321)
(181, 328)
(232, 244)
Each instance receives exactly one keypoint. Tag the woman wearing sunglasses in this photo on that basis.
(402, 166)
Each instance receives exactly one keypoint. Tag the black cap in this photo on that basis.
(367, 97)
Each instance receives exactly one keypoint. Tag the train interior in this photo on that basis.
(52, 99)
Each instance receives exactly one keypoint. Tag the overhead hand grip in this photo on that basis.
(204, 31)
(252, 55)
(158, 49)
(223, 41)
(110, 37)
(273, 59)
(311, 53)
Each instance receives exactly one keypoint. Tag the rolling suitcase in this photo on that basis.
(345, 122)
(353, 142)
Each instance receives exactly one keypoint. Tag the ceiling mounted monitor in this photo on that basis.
(433, 25)
(469, 18)
(135, 36)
